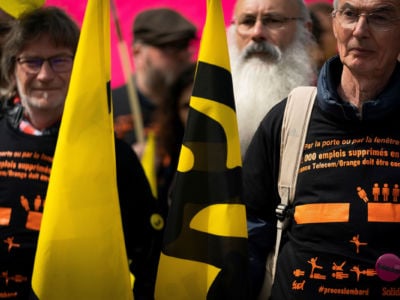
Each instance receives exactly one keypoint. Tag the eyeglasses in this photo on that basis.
(384, 20)
(273, 22)
(59, 64)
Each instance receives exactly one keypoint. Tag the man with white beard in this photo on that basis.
(269, 43)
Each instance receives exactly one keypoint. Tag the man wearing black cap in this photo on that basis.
(161, 51)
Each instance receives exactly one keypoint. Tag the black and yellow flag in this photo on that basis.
(81, 251)
(205, 246)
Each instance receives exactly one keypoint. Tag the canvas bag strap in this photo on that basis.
(294, 129)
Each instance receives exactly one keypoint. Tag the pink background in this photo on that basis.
(195, 10)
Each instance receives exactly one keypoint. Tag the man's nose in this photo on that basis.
(46, 71)
(259, 31)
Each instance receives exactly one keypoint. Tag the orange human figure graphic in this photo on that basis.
(376, 191)
(339, 274)
(313, 263)
(362, 194)
(34, 218)
(396, 193)
(11, 244)
(15, 278)
(367, 272)
(356, 270)
(4, 275)
(24, 202)
(385, 192)
(298, 273)
(37, 202)
(356, 240)
(336, 267)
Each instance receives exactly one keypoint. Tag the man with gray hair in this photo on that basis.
(335, 245)
(269, 43)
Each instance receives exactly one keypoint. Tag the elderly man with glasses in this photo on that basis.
(340, 242)
(269, 43)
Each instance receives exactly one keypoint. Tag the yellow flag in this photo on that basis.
(16, 7)
(204, 255)
(81, 252)
(149, 162)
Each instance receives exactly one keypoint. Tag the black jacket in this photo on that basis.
(347, 196)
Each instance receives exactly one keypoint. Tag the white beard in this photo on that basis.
(260, 84)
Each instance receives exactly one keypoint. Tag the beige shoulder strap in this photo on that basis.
(294, 128)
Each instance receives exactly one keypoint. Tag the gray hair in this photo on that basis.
(335, 4)
(304, 12)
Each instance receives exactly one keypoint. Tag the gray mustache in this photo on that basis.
(272, 52)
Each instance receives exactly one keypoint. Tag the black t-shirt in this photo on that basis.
(25, 164)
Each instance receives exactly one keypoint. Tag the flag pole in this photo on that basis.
(125, 62)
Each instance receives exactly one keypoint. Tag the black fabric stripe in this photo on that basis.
(109, 96)
(214, 83)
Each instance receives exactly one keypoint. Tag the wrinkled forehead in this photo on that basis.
(257, 7)
(368, 4)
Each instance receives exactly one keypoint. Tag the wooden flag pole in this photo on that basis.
(132, 95)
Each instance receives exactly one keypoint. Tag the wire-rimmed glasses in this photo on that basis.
(380, 20)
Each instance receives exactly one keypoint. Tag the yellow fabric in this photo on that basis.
(227, 117)
(191, 283)
(203, 220)
(190, 263)
(81, 252)
(149, 162)
(16, 7)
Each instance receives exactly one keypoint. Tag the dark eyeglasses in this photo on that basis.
(59, 64)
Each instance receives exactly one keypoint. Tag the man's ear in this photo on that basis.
(138, 57)
(136, 48)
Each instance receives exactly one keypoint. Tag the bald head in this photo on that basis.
(273, 21)
(295, 6)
